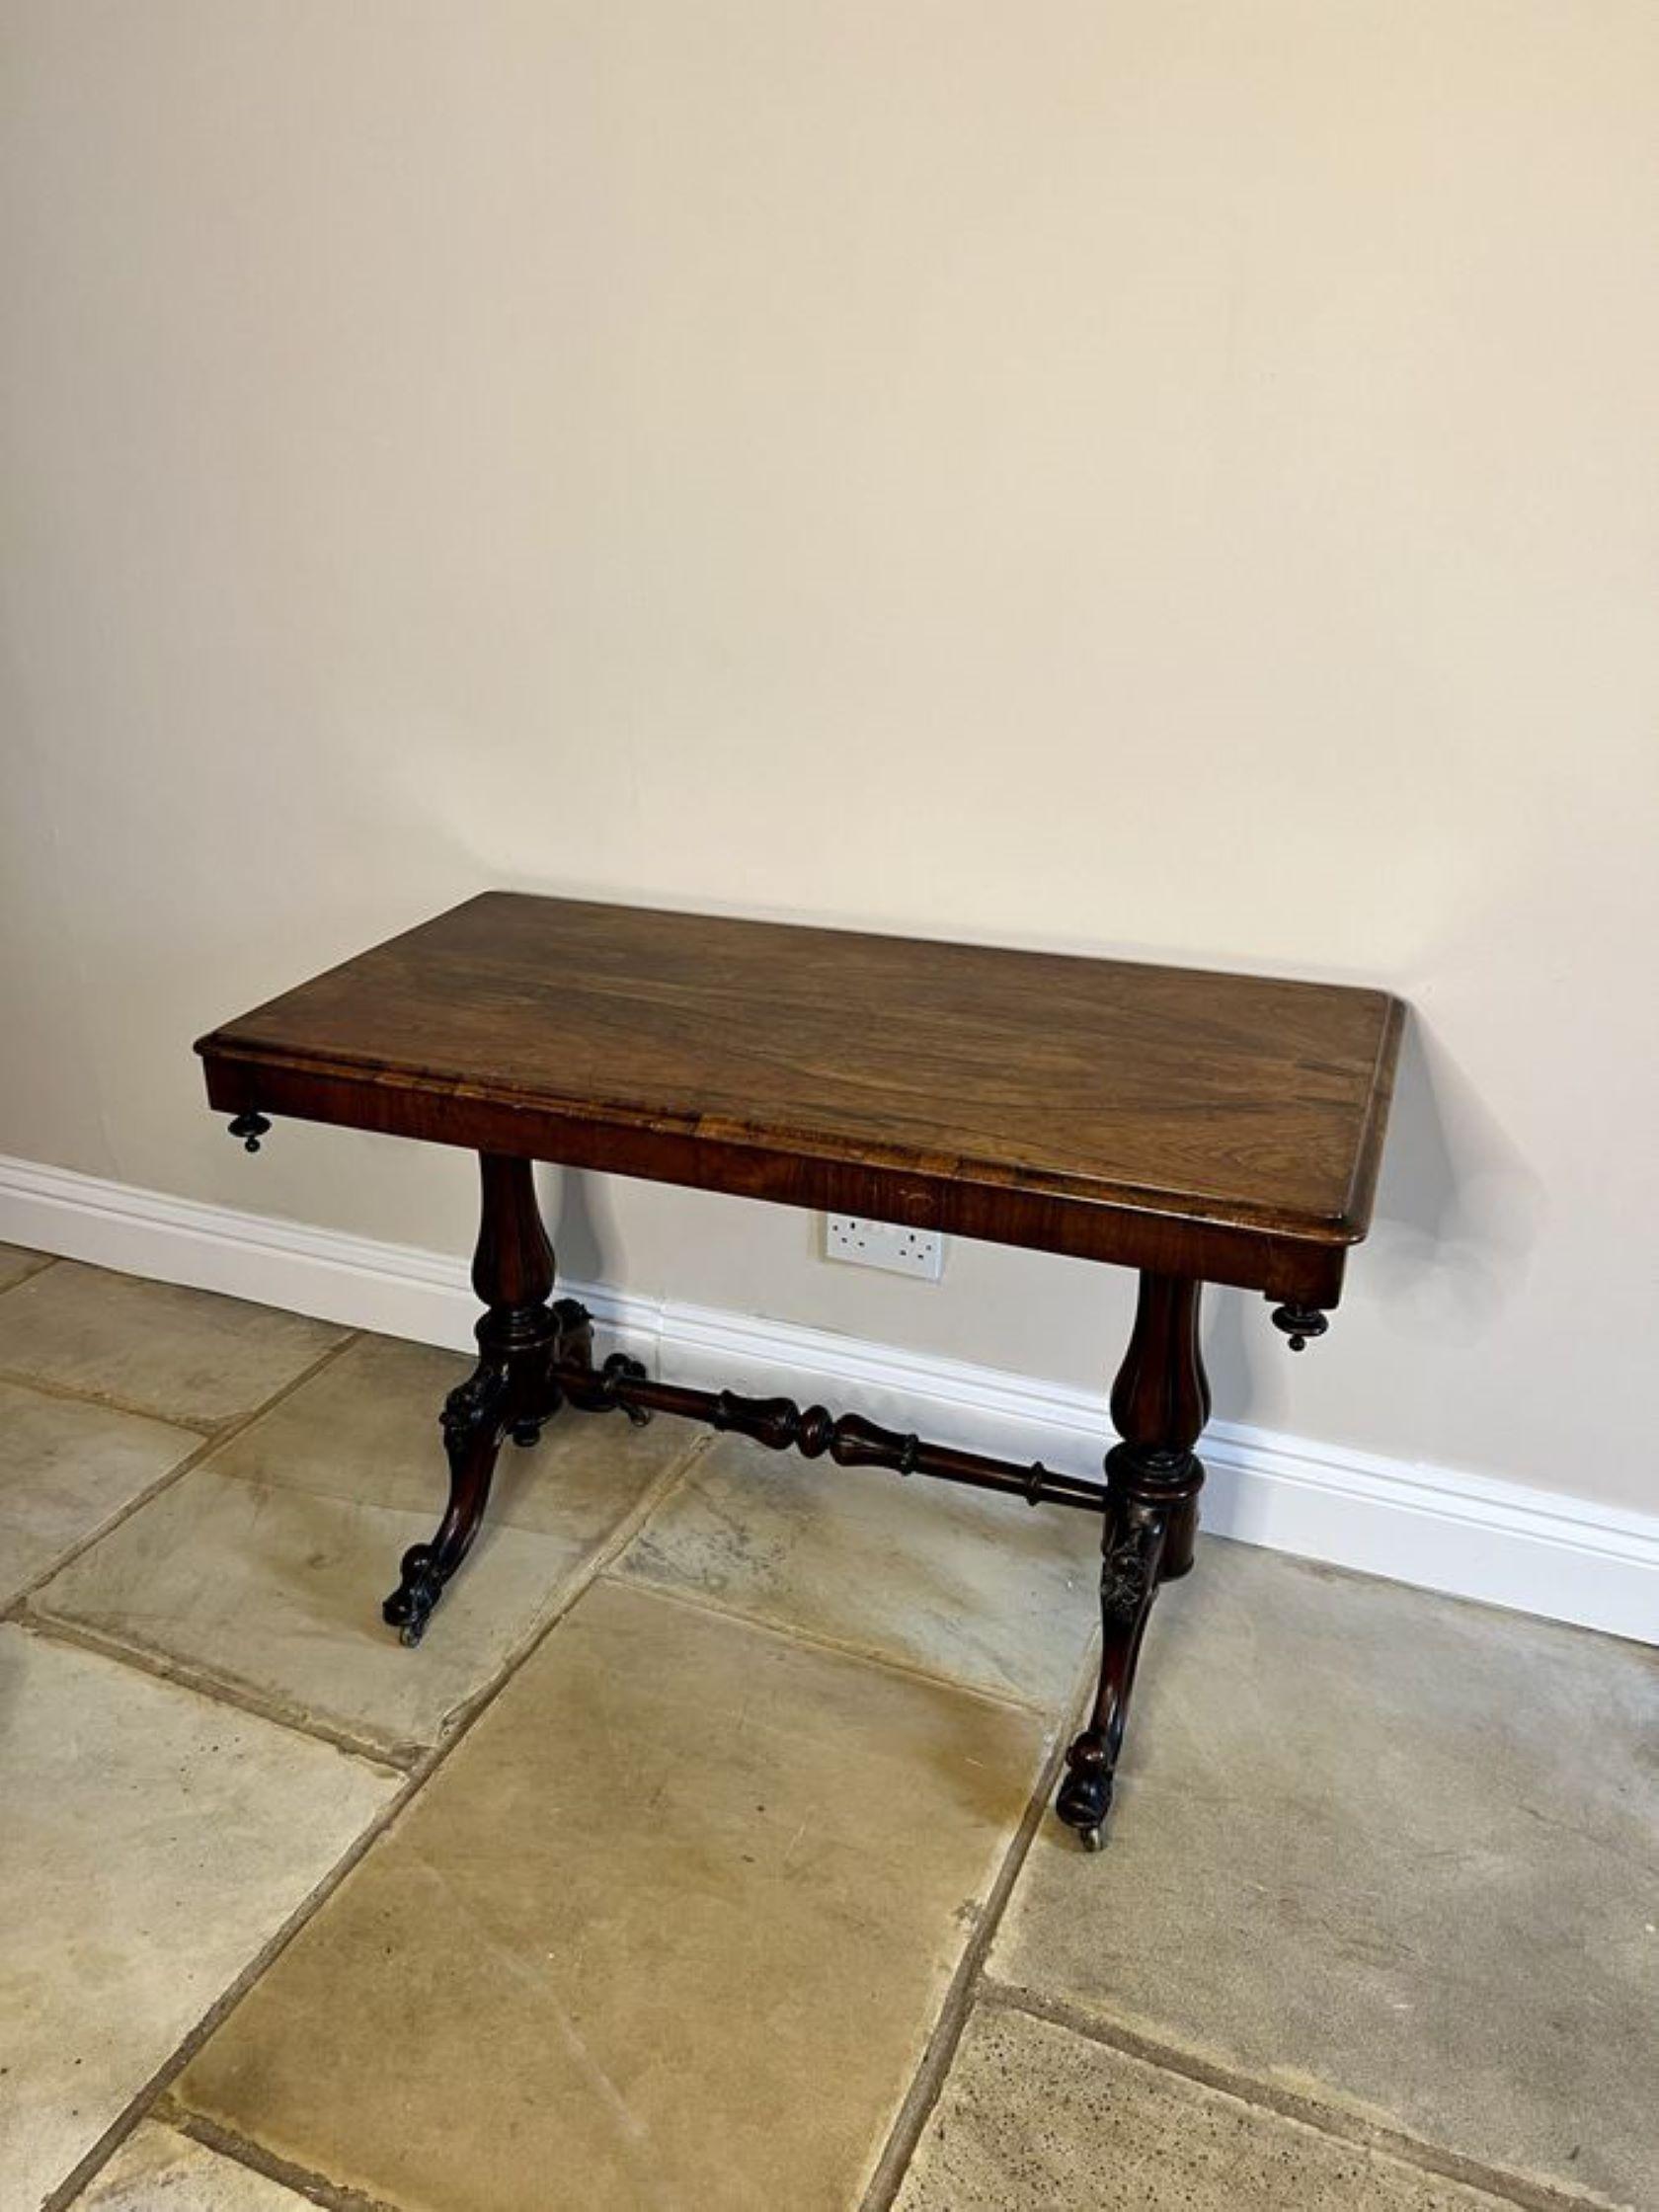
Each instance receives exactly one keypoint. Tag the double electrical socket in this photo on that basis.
(901, 1251)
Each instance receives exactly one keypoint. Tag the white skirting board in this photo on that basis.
(1439, 1527)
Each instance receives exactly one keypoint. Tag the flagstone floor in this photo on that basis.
(699, 1857)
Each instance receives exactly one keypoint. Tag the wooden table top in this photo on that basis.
(1217, 1124)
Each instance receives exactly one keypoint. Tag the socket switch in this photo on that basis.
(901, 1251)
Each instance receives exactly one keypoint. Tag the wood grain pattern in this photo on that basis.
(1195, 1122)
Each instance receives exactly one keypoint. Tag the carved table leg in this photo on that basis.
(510, 1392)
(1160, 1402)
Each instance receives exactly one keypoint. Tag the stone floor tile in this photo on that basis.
(264, 1567)
(1395, 1851)
(1033, 2116)
(670, 1926)
(182, 1355)
(17, 1261)
(66, 1467)
(153, 1841)
(961, 1583)
(157, 2170)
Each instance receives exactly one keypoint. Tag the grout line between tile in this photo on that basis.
(565, 1596)
(159, 2084)
(930, 2075)
(48, 1387)
(207, 1682)
(973, 1986)
(317, 2187)
(970, 1985)
(36, 1264)
(51, 1627)
(138, 2105)
(1327, 2119)
(210, 1440)
(814, 1640)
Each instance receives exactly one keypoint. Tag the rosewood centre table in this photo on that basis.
(1193, 1126)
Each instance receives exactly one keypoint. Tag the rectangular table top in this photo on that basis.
(1217, 1125)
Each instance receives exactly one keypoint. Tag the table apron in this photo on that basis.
(1280, 1264)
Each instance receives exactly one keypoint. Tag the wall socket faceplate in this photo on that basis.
(903, 1251)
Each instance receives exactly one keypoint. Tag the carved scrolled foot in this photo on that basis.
(475, 1418)
(1133, 1539)
(509, 1393)
(420, 1584)
(1159, 1402)
(1085, 1795)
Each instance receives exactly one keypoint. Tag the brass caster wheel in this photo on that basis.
(410, 1606)
(1090, 1839)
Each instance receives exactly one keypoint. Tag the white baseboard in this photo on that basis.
(1440, 1528)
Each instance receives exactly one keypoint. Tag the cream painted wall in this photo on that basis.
(1174, 479)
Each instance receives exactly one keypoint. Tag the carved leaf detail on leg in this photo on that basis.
(1126, 1581)
(470, 1404)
